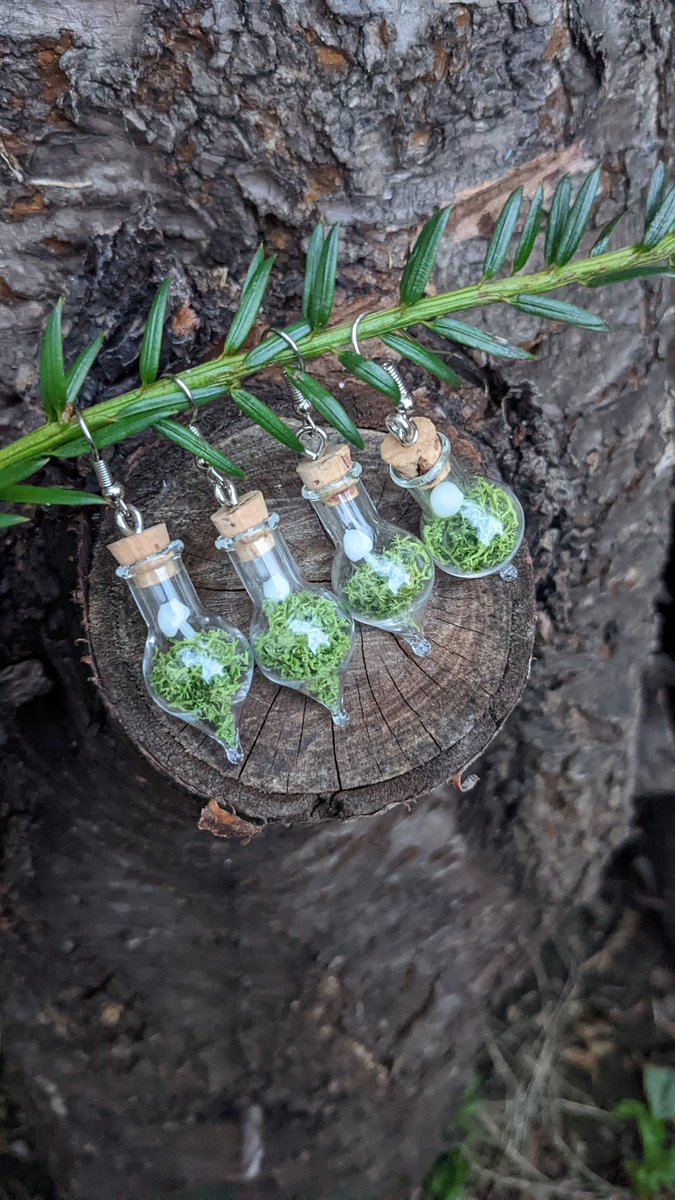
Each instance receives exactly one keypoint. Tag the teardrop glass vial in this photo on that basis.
(196, 666)
(302, 637)
(383, 574)
(472, 525)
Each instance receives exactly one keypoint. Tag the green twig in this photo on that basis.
(228, 369)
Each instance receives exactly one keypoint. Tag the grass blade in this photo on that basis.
(266, 418)
(311, 267)
(559, 310)
(371, 373)
(530, 229)
(320, 302)
(254, 266)
(606, 232)
(174, 401)
(655, 193)
(151, 347)
(194, 444)
(138, 417)
(20, 471)
(661, 222)
(422, 357)
(630, 273)
(422, 258)
(325, 404)
(52, 373)
(8, 519)
(249, 305)
(578, 219)
(557, 218)
(80, 368)
(467, 335)
(113, 432)
(502, 234)
(25, 494)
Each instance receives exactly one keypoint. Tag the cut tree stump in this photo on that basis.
(415, 723)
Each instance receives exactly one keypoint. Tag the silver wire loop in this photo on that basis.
(224, 489)
(127, 517)
(313, 438)
(186, 391)
(355, 333)
(286, 337)
(401, 424)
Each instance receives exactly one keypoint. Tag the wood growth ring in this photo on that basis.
(415, 723)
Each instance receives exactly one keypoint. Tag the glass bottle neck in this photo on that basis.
(444, 470)
(266, 567)
(349, 508)
(167, 604)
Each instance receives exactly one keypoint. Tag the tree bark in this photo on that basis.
(295, 1017)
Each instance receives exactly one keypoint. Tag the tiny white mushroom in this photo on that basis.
(446, 499)
(357, 544)
(276, 587)
(173, 616)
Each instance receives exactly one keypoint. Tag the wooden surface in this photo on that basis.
(414, 722)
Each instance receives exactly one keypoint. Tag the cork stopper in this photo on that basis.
(134, 549)
(231, 522)
(418, 458)
(319, 474)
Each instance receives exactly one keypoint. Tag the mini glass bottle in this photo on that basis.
(195, 666)
(302, 637)
(383, 574)
(471, 525)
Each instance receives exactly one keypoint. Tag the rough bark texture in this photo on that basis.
(297, 1014)
(414, 723)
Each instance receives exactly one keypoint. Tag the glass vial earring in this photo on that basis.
(196, 666)
(383, 574)
(302, 636)
(472, 526)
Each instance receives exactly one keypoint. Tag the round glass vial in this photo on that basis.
(302, 637)
(196, 666)
(472, 526)
(383, 574)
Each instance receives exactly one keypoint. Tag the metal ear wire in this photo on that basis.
(401, 424)
(313, 438)
(224, 490)
(286, 337)
(127, 517)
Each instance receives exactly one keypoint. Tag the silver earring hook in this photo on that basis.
(224, 490)
(127, 517)
(194, 412)
(286, 337)
(401, 424)
(312, 437)
(355, 333)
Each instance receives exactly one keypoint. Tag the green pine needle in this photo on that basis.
(118, 418)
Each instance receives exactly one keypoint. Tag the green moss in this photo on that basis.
(373, 595)
(200, 677)
(288, 653)
(453, 540)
